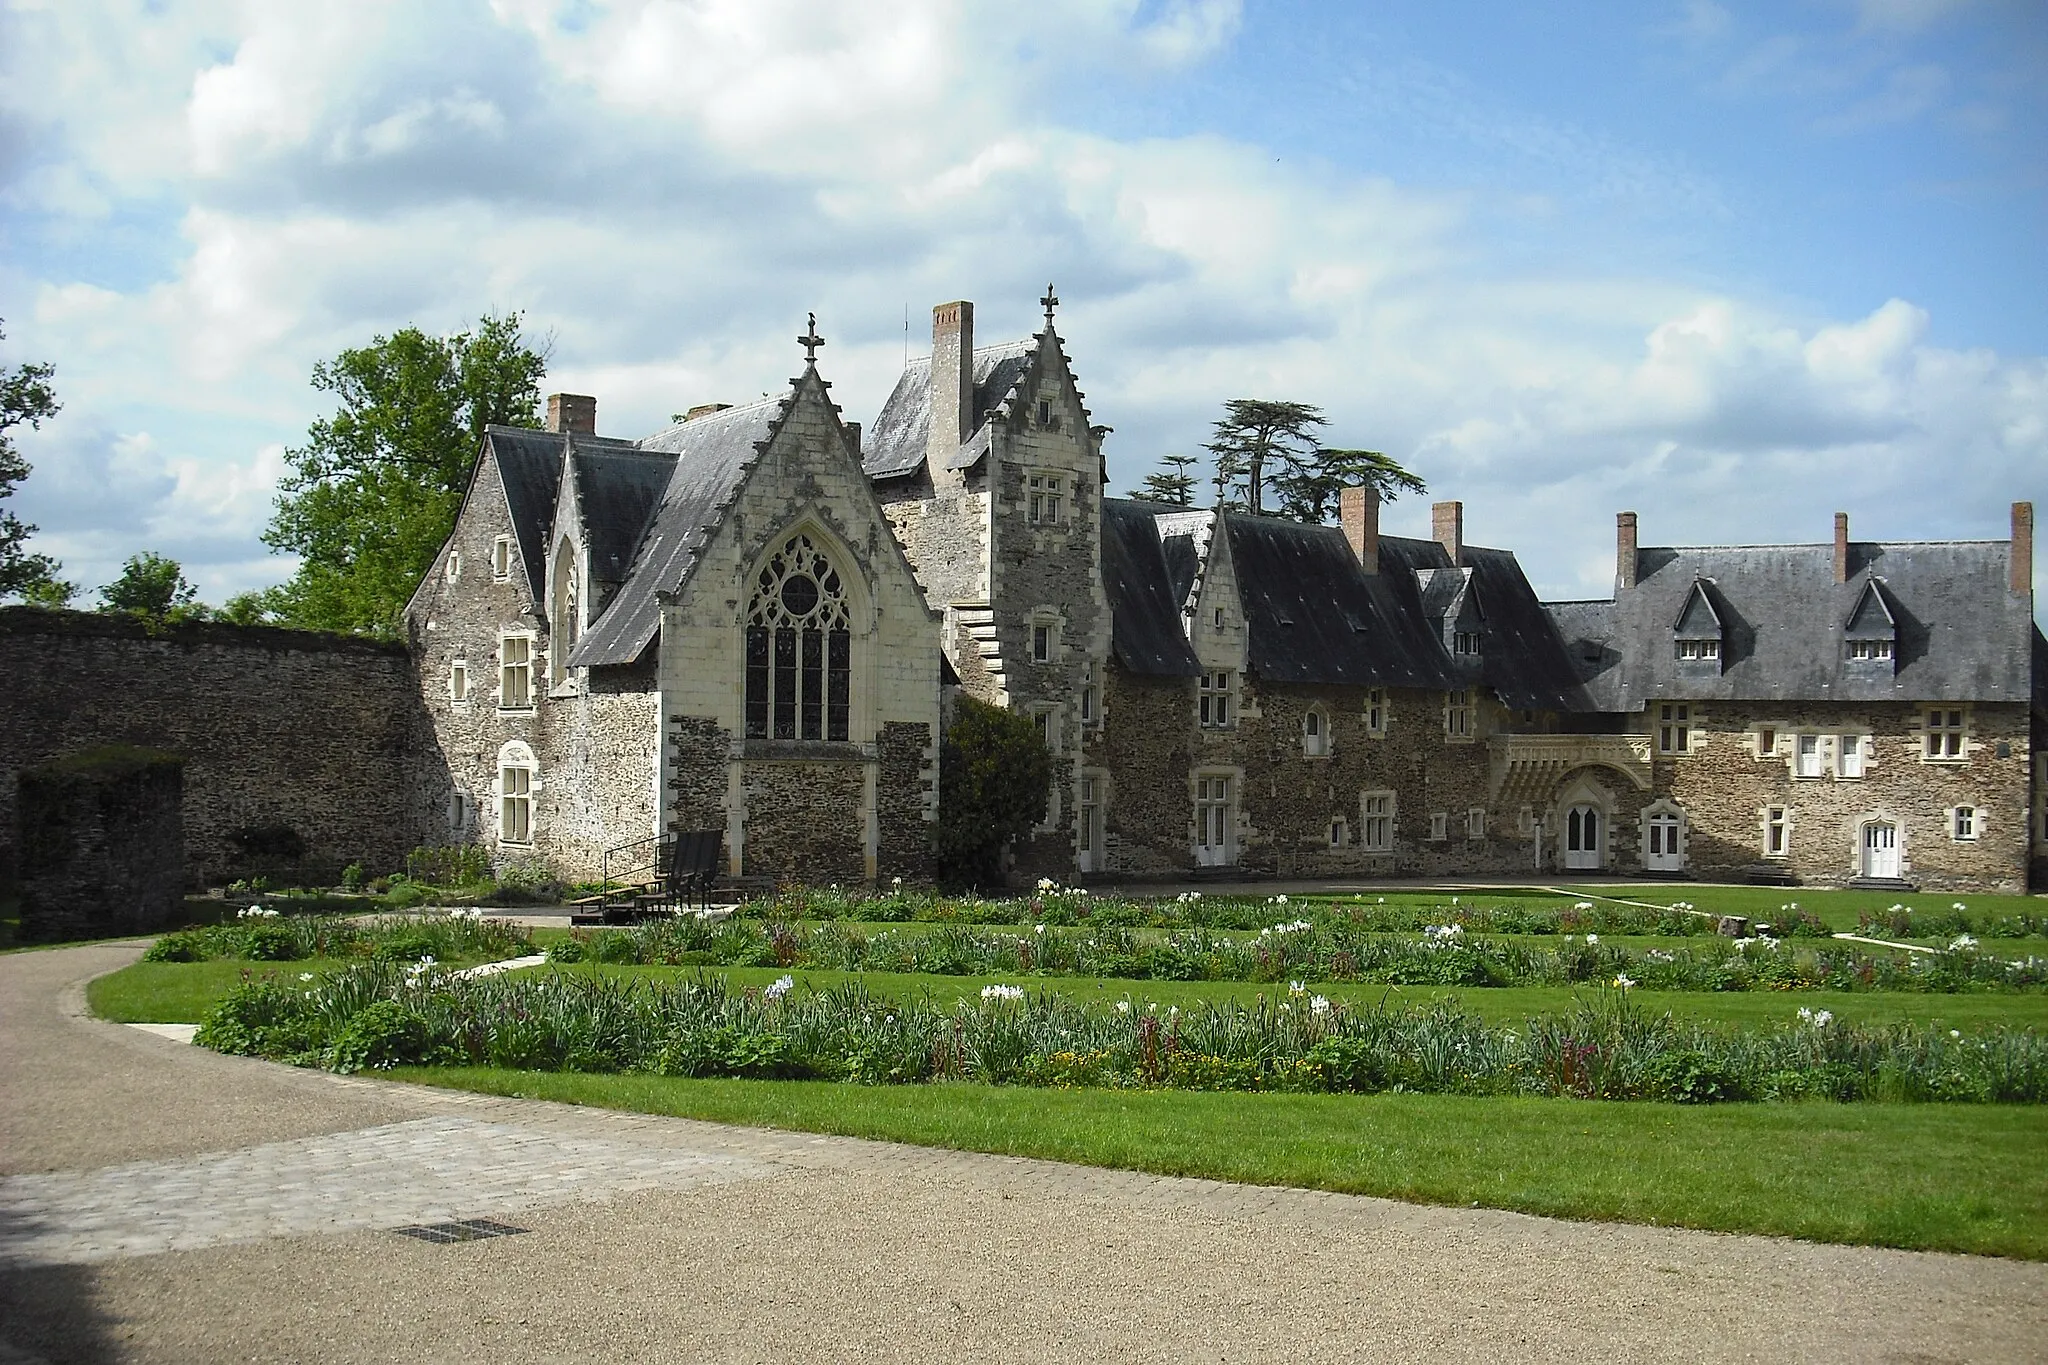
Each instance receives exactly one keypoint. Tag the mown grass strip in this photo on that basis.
(1921, 1177)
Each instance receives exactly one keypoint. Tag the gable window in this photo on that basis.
(1806, 756)
(1674, 728)
(1849, 756)
(1963, 823)
(515, 672)
(1699, 650)
(1458, 715)
(1218, 618)
(1465, 642)
(799, 650)
(1340, 833)
(1045, 491)
(1315, 733)
(458, 680)
(1214, 700)
(1377, 830)
(501, 559)
(1475, 823)
(1698, 631)
(1943, 736)
(1439, 826)
(1376, 711)
(1870, 650)
(454, 565)
(567, 622)
(1777, 831)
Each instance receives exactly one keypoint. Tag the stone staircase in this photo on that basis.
(974, 627)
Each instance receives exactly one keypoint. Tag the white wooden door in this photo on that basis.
(1212, 821)
(1880, 850)
(1582, 838)
(1660, 848)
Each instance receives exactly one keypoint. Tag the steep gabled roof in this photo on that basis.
(895, 445)
(712, 455)
(1525, 661)
(1963, 634)
(1146, 633)
(1872, 616)
(618, 486)
(1699, 618)
(530, 470)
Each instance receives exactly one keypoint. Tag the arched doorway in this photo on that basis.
(1880, 851)
(1585, 837)
(1664, 838)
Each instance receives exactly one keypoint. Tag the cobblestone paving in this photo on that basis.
(423, 1171)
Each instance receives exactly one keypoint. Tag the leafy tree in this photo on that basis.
(1171, 483)
(248, 608)
(994, 773)
(374, 491)
(25, 396)
(153, 587)
(1263, 445)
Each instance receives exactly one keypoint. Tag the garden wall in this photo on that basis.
(299, 747)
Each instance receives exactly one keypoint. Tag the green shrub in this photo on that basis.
(994, 774)
(383, 1034)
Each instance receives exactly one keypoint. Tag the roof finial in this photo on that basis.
(811, 341)
(1048, 303)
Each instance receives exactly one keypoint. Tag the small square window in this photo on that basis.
(1699, 651)
(1340, 833)
(1870, 651)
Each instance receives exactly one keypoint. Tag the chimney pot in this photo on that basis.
(1358, 508)
(2023, 547)
(1841, 547)
(1447, 520)
(573, 413)
(853, 438)
(952, 383)
(1624, 549)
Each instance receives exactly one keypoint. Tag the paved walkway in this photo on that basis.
(162, 1203)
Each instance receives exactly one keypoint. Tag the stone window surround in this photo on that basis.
(1215, 703)
(1475, 822)
(1461, 718)
(458, 681)
(1379, 712)
(1878, 816)
(1044, 492)
(1678, 729)
(1367, 815)
(1778, 818)
(565, 577)
(454, 565)
(1964, 744)
(1047, 620)
(501, 559)
(1439, 826)
(1965, 823)
(532, 660)
(515, 756)
(1091, 698)
(1340, 832)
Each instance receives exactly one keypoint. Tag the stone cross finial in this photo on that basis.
(811, 341)
(1048, 303)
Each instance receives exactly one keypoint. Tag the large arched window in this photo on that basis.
(799, 650)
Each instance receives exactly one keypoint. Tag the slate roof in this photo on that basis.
(711, 457)
(530, 468)
(1962, 634)
(617, 487)
(895, 445)
(1146, 633)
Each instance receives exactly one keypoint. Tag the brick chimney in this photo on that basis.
(2023, 547)
(952, 383)
(1841, 547)
(1358, 509)
(1624, 550)
(575, 413)
(1447, 524)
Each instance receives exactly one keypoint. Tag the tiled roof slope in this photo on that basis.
(712, 455)
(1963, 635)
(895, 444)
(1146, 633)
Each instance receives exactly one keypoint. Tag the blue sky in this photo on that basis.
(1734, 266)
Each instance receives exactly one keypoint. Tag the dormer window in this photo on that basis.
(1696, 634)
(1465, 643)
(1870, 637)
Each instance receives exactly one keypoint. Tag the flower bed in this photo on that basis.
(379, 1014)
(258, 934)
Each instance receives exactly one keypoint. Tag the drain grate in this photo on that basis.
(468, 1230)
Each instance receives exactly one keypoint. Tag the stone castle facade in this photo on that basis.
(751, 621)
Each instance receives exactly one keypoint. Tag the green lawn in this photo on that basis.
(1933, 1177)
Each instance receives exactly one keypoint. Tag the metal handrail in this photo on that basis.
(605, 864)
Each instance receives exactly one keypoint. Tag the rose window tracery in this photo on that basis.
(799, 648)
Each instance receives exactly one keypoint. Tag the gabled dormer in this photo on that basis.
(1450, 601)
(1698, 635)
(1870, 636)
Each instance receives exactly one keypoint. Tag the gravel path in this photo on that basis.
(162, 1203)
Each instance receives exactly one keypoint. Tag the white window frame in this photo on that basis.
(1851, 757)
(1090, 822)
(1465, 643)
(1699, 651)
(517, 789)
(1439, 826)
(508, 669)
(1315, 733)
(1378, 711)
(1214, 692)
(1945, 734)
(1376, 829)
(1870, 651)
(501, 559)
(1459, 720)
(1475, 823)
(1965, 824)
(1045, 639)
(1809, 755)
(1777, 829)
(458, 680)
(1216, 791)
(1674, 729)
(1044, 491)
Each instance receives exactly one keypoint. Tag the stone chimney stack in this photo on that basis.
(1841, 547)
(1447, 522)
(1624, 550)
(1358, 508)
(574, 413)
(952, 383)
(2023, 547)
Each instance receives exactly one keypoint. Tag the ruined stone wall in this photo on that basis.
(593, 739)
(298, 747)
(1725, 786)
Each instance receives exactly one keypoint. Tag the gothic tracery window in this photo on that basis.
(799, 648)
